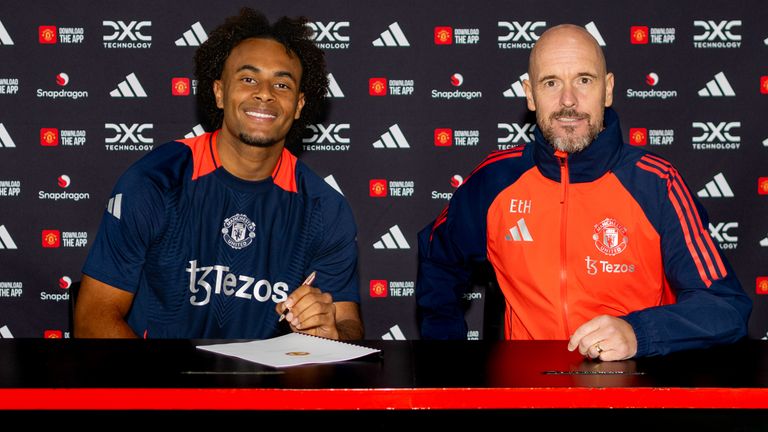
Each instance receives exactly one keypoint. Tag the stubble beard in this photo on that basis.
(570, 143)
(256, 142)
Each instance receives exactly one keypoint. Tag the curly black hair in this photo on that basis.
(293, 33)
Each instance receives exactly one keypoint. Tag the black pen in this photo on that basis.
(307, 281)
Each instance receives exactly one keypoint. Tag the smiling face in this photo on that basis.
(568, 87)
(259, 93)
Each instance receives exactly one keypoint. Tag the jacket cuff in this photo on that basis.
(641, 334)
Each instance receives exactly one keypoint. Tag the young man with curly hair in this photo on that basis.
(212, 236)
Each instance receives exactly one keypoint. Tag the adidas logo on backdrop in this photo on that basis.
(130, 87)
(393, 239)
(717, 87)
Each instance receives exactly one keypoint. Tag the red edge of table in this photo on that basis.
(377, 399)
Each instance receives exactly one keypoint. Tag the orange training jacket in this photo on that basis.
(610, 230)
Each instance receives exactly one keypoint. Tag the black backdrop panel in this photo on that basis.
(423, 91)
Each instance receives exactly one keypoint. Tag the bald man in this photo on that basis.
(592, 241)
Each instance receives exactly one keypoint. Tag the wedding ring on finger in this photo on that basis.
(598, 348)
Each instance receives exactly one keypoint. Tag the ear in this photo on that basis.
(218, 91)
(529, 95)
(608, 89)
(299, 106)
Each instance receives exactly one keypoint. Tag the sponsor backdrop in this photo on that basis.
(420, 93)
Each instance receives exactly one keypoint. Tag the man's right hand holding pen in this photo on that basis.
(309, 310)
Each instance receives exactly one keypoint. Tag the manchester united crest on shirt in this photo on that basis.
(610, 237)
(238, 231)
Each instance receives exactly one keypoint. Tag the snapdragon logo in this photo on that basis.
(64, 181)
(652, 80)
(714, 34)
(330, 35)
(62, 80)
(455, 181)
(456, 80)
(65, 282)
(55, 297)
(472, 296)
(121, 34)
(205, 281)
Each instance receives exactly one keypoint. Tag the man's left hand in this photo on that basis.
(605, 337)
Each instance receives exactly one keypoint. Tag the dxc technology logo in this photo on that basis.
(127, 34)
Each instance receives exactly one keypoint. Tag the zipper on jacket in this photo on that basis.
(564, 180)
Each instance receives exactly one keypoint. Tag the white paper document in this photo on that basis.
(292, 349)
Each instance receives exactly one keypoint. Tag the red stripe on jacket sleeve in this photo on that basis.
(700, 243)
(498, 156)
(439, 221)
(492, 158)
(703, 235)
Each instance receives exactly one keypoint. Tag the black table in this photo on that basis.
(538, 378)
